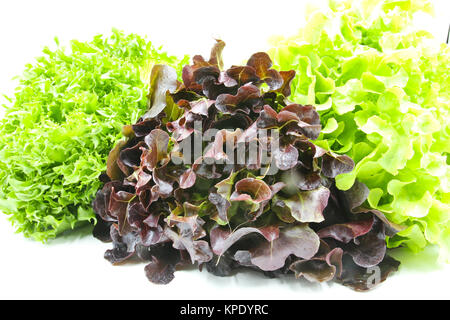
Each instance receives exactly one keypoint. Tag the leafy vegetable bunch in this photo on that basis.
(382, 90)
(274, 209)
(67, 114)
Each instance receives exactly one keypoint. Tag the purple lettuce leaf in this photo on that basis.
(252, 190)
(299, 240)
(222, 239)
(345, 232)
(186, 238)
(320, 269)
(364, 279)
(307, 206)
(123, 246)
(333, 166)
(247, 98)
(262, 64)
(225, 215)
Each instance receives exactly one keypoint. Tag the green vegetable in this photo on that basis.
(383, 93)
(67, 114)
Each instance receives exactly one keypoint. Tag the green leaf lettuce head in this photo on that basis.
(67, 114)
(382, 90)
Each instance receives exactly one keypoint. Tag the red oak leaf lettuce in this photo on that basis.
(259, 194)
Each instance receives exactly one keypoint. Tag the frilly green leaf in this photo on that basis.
(382, 89)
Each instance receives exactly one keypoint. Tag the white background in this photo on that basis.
(73, 266)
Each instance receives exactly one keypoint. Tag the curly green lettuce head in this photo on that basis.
(383, 93)
(66, 115)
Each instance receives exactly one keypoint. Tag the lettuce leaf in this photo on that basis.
(66, 115)
(278, 212)
(382, 90)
